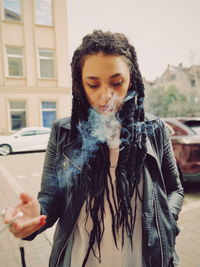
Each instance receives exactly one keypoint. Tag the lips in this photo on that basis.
(106, 108)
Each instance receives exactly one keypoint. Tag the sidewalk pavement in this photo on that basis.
(188, 240)
(37, 251)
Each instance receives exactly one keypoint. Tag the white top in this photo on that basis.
(110, 255)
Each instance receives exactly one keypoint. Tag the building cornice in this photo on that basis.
(38, 90)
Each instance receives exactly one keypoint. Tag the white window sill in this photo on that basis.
(47, 79)
(13, 22)
(16, 77)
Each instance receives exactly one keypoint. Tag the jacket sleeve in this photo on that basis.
(49, 196)
(170, 173)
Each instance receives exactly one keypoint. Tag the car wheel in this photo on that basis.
(5, 150)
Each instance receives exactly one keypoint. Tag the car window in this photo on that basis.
(177, 129)
(38, 132)
(194, 125)
(196, 130)
(28, 133)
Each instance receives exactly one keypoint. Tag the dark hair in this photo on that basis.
(93, 181)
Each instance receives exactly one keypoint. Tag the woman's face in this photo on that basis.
(106, 80)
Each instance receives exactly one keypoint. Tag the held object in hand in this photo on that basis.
(18, 215)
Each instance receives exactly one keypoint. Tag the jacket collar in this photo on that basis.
(73, 152)
(73, 149)
(65, 122)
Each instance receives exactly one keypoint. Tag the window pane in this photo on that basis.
(12, 10)
(28, 133)
(17, 105)
(46, 68)
(48, 117)
(15, 67)
(49, 105)
(45, 53)
(39, 132)
(14, 51)
(44, 12)
(18, 119)
(196, 130)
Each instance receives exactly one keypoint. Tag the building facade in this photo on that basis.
(34, 65)
(185, 79)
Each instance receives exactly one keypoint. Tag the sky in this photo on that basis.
(162, 31)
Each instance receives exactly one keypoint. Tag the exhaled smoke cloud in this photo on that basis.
(101, 128)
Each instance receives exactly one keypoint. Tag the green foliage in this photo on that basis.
(170, 102)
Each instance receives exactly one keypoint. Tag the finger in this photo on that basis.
(21, 225)
(25, 197)
(9, 214)
(32, 222)
(28, 231)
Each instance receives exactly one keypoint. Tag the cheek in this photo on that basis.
(123, 92)
(91, 98)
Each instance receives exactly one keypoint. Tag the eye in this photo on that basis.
(93, 85)
(117, 84)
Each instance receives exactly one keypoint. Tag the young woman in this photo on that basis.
(109, 177)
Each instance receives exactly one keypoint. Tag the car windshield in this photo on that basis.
(194, 125)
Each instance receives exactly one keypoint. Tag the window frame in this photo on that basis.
(13, 21)
(35, 16)
(47, 109)
(39, 65)
(9, 112)
(14, 56)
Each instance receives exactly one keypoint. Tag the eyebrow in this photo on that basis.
(96, 78)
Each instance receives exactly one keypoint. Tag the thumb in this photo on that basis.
(25, 198)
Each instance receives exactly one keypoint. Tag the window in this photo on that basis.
(28, 133)
(194, 125)
(17, 114)
(173, 77)
(15, 61)
(177, 129)
(12, 10)
(43, 12)
(46, 62)
(193, 82)
(48, 113)
(39, 132)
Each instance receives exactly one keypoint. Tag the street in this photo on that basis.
(22, 172)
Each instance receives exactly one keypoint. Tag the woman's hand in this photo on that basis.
(31, 220)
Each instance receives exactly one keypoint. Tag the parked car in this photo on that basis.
(185, 137)
(26, 139)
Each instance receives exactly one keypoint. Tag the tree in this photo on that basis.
(167, 102)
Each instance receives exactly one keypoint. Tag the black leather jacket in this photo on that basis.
(162, 197)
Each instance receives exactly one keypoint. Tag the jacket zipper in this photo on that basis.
(64, 246)
(159, 234)
(72, 162)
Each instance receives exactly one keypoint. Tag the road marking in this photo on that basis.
(21, 176)
(15, 186)
(36, 174)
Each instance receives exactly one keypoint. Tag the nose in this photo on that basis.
(106, 93)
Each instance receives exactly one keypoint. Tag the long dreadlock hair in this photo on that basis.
(93, 178)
